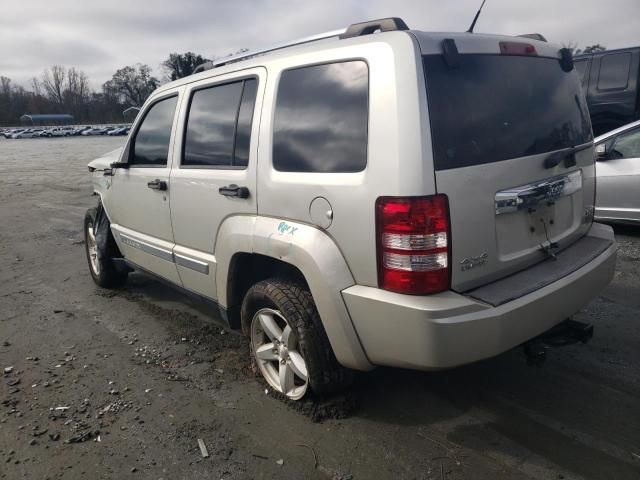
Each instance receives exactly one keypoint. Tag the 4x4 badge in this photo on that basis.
(472, 262)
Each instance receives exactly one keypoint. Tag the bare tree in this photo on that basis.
(36, 87)
(5, 87)
(53, 83)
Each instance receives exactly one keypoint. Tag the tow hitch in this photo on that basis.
(565, 333)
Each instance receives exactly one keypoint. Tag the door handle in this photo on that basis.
(157, 184)
(234, 190)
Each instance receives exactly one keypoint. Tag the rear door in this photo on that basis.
(619, 179)
(139, 196)
(214, 175)
(512, 146)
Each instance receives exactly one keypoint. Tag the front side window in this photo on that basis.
(627, 145)
(219, 125)
(321, 118)
(151, 143)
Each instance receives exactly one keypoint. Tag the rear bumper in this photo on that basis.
(450, 329)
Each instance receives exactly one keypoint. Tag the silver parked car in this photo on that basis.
(360, 199)
(618, 174)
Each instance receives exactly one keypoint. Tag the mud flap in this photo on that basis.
(107, 247)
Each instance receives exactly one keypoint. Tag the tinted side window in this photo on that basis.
(151, 143)
(614, 71)
(321, 118)
(245, 117)
(627, 145)
(211, 125)
(219, 125)
(581, 68)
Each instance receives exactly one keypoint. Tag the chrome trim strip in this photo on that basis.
(527, 196)
(146, 247)
(187, 262)
(178, 259)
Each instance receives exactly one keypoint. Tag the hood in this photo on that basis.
(105, 161)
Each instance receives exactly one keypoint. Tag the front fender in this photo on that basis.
(312, 252)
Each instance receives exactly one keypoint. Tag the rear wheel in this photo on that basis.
(288, 343)
(101, 265)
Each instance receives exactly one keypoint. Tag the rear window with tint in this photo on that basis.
(496, 107)
(321, 118)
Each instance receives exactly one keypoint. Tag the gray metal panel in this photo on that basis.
(515, 286)
(147, 247)
(187, 262)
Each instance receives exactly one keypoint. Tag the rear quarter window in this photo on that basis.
(321, 118)
(614, 71)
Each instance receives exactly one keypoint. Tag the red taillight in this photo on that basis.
(517, 48)
(413, 244)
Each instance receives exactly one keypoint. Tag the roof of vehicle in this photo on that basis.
(37, 118)
(614, 50)
(623, 128)
(430, 42)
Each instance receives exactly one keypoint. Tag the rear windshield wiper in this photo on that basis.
(568, 156)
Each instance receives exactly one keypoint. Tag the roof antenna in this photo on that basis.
(475, 19)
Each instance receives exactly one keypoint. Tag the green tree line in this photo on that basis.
(66, 90)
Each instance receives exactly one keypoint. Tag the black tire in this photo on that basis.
(106, 275)
(294, 301)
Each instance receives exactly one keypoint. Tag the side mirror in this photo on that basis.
(601, 151)
(124, 158)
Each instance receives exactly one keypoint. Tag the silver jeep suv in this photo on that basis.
(374, 196)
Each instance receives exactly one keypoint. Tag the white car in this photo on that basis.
(12, 132)
(618, 174)
(93, 131)
(30, 133)
(59, 132)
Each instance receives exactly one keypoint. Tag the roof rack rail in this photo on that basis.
(534, 36)
(372, 26)
(355, 30)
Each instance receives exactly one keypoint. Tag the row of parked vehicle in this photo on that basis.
(65, 131)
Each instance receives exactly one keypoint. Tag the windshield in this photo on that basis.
(497, 107)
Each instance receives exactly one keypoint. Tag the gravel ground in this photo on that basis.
(122, 384)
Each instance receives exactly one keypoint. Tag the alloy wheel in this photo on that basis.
(276, 349)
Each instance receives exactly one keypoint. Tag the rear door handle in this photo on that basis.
(234, 190)
(157, 184)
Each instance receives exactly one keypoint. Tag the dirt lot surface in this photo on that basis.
(122, 384)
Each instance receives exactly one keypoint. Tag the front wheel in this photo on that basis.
(101, 265)
(288, 343)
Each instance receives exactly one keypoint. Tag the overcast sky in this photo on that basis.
(101, 36)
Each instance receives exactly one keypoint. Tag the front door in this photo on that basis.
(139, 206)
(618, 189)
(214, 172)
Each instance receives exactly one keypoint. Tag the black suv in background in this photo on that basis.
(610, 79)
